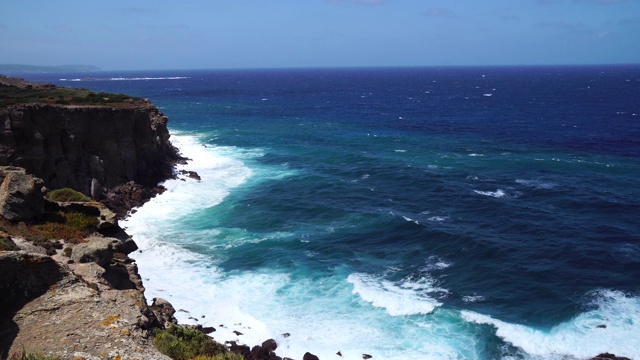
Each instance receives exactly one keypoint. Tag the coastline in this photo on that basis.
(221, 290)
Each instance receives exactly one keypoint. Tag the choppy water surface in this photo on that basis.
(455, 213)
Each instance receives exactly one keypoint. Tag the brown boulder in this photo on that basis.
(164, 311)
(97, 249)
(21, 195)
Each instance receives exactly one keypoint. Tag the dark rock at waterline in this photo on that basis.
(208, 329)
(264, 353)
(164, 311)
(192, 174)
(339, 353)
(286, 335)
(602, 326)
(608, 356)
(310, 356)
(243, 350)
(366, 356)
(126, 247)
(238, 333)
(270, 345)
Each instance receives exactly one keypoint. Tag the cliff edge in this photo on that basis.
(113, 148)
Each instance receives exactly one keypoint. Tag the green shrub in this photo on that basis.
(184, 344)
(6, 244)
(72, 225)
(67, 194)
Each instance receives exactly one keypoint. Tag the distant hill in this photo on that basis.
(22, 69)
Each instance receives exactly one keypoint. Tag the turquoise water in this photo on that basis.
(455, 213)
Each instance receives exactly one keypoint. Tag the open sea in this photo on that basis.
(410, 213)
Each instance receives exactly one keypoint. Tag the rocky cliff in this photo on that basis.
(93, 149)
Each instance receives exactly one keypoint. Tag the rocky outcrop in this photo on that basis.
(74, 321)
(25, 276)
(164, 311)
(80, 310)
(20, 194)
(97, 249)
(89, 147)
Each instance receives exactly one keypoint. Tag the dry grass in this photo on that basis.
(71, 227)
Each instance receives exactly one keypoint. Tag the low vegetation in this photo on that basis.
(188, 344)
(66, 194)
(50, 94)
(6, 244)
(71, 227)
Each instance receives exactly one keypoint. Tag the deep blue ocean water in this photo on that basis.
(417, 213)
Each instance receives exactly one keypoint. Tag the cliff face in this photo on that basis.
(73, 146)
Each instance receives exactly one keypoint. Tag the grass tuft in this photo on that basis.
(185, 344)
(71, 226)
(7, 244)
(66, 194)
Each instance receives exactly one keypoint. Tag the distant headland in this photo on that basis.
(36, 69)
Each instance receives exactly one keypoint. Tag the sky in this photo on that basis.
(222, 34)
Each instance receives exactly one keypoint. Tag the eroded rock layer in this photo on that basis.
(92, 149)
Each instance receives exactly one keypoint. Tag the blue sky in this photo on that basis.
(168, 34)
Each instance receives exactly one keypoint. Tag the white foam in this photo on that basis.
(219, 174)
(581, 337)
(476, 155)
(496, 194)
(402, 298)
(538, 184)
(319, 313)
(411, 220)
(436, 263)
(473, 298)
